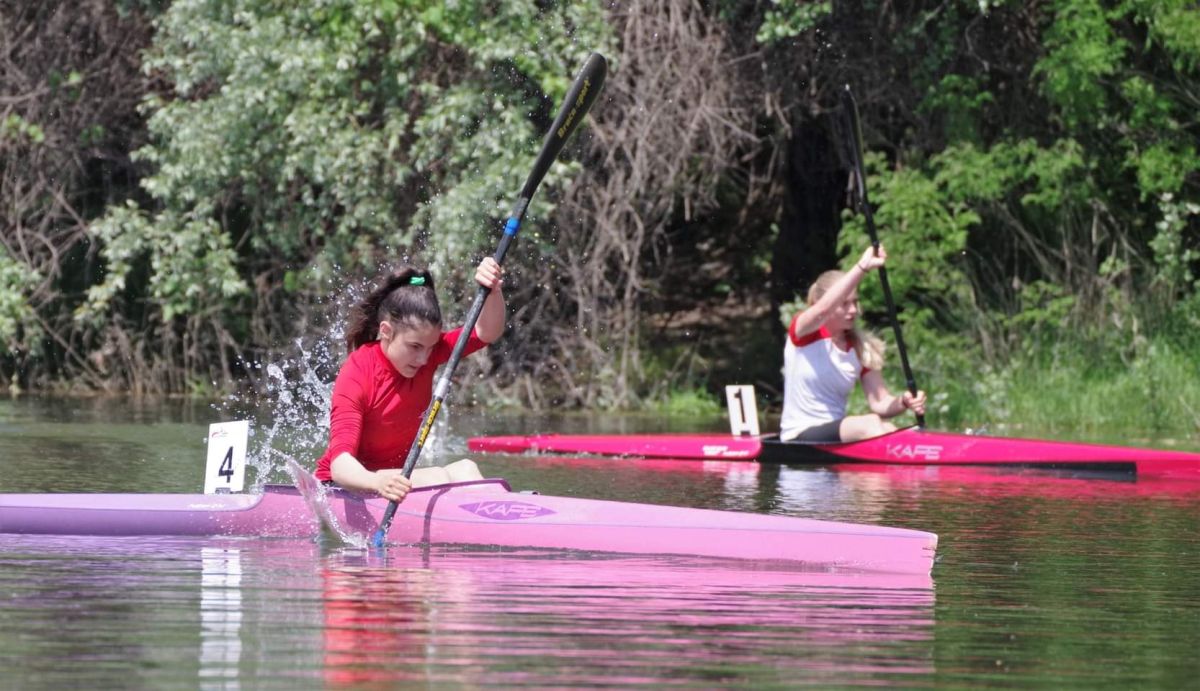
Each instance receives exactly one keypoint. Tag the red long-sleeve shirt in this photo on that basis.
(375, 413)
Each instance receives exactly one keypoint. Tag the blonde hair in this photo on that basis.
(866, 344)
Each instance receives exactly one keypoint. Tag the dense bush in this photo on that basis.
(191, 188)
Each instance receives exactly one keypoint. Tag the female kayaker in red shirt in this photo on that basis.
(826, 354)
(396, 344)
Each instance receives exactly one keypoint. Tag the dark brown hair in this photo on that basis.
(405, 298)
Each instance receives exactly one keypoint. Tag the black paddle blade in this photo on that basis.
(579, 100)
(854, 144)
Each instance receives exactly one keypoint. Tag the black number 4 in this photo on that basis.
(226, 470)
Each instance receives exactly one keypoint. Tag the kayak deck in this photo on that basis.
(485, 513)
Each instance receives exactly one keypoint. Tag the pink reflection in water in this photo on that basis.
(992, 481)
(585, 619)
(290, 608)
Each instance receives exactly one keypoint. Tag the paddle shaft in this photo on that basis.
(579, 100)
(860, 183)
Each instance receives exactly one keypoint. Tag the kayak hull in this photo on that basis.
(908, 446)
(485, 513)
(914, 446)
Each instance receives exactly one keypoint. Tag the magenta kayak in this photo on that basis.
(485, 513)
(684, 446)
(905, 446)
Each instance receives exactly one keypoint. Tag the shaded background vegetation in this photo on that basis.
(191, 189)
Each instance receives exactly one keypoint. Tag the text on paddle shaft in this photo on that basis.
(566, 126)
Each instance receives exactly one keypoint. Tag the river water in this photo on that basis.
(1042, 579)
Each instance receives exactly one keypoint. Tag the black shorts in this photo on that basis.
(823, 433)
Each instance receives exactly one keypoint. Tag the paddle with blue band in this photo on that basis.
(579, 100)
(850, 110)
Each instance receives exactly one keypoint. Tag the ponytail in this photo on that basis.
(406, 297)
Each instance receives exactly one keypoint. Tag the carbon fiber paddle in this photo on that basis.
(579, 100)
(850, 109)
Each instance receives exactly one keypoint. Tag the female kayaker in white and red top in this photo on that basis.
(383, 389)
(825, 355)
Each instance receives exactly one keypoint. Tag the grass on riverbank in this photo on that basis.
(1070, 387)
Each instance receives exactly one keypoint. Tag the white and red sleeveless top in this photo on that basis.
(818, 378)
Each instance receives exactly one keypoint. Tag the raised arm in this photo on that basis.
(816, 315)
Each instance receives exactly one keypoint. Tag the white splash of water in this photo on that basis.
(290, 410)
(290, 407)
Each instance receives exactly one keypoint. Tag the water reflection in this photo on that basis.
(1042, 575)
(220, 616)
(259, 609)
(469, 618)
(999, 481)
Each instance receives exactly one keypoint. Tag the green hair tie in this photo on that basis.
(416, 281)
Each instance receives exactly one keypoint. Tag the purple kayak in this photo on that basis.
(484, 513)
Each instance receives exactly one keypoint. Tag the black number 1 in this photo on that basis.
(741, 406)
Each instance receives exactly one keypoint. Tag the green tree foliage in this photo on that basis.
(70, 87)
(297, 141)
(1033, 166)
(16, 314)
(787, 19)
